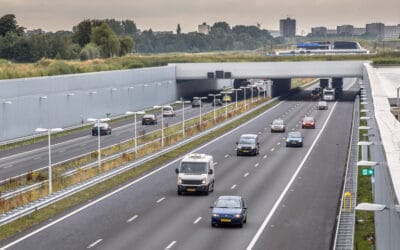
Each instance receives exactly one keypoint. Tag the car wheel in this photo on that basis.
(213, 224)
(301, 145)
(179, 192)
(245, 220)
(212, 190)
(110, 132)
(287, 144)
(241, 225)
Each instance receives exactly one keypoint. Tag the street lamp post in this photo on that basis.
(244, 89)
(214, 95)
(226, 102)
(183, 114)
(134, 123)
(49, 146)
(95, 120)
(236, 97)
(201, 104)
(162, 123)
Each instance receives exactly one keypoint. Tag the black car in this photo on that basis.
(248, 144)
(217, 102)
(197, 103)
(149, 119)
(103, 128)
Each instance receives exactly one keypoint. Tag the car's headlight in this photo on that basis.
(215, 215)
(238, 216)
(287, 140)
(179, 181)
(203, 181)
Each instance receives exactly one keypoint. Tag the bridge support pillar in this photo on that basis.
(280, 86)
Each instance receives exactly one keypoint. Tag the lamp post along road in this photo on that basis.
(162, 123)
(226, 101)
(214, 95)
(183, 115)
(97, 121)
(49, 146)
(201, 104)
(134, 125)
(236, 97)
(244, 89)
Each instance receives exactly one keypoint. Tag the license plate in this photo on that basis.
(225, 220)
(293, 142)
(245, 151)
(191, 189)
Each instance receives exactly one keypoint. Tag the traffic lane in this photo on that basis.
(174, 182)
(307, 215)
(29, 161)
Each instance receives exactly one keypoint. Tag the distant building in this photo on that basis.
(392, 32)
(274, 33)
(359, 31)
(203, 28)
(375, 29)
(287, 27)
(319, 31)
(345, 30)
(331, 32)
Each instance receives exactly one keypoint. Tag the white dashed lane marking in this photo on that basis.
(95, 243)
(170, 245)
(246, 174)
(197, 220)
(233, 187)
(272, 149)
(132, 218)
(9, 166)
(161, 199)
(226, 156)
(256, 165)
(265, 156)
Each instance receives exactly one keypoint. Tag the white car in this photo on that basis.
(168, 111)
(322, 105)
(278, 125)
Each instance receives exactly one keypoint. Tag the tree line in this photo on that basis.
(109, 38)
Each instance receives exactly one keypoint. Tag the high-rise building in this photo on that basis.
(203, 28)
(375, 29)
(287, 27)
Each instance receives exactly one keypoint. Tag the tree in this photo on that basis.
(178, 29)
(82, 32)
(127, 44)
(106, 40)
(8, 23)
(221, 25)
(129, 27)
(90, 51)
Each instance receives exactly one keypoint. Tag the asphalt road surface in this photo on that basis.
(292, 194)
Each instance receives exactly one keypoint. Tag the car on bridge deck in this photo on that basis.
(229, 210)
(308, 122)
(197, 103)
(294, 139)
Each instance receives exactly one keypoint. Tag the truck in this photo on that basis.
(328, 94)
(324, 83)
(196, 174)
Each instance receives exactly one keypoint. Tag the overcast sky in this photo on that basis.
(52, 15)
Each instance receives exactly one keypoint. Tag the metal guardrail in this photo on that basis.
(56, 196)
(344, 236)
(24, 189)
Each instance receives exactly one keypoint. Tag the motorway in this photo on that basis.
(27, 158)
(292, 194)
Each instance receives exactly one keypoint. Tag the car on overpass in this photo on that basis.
(294, 139)
(196, 102)
(103, 128)
(308, 122)
(217, 102)
(229, 210)
(248, 144)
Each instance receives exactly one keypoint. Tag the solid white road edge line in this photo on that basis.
(271, 213)
(133, 182)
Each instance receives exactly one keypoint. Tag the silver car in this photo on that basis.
(278, 125)
(322, 105)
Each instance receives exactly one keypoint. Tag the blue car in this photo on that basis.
(294, 139)
(229, 210)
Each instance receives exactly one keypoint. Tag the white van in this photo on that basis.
(196, 174)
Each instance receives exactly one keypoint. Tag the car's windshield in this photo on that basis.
(294, 135)
(277, 122)
(193, 168)
(227, 203)
(148, 116)
(167, 108)
(246, 140)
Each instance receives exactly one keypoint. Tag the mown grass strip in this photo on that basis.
(365, 223)
(46, 213)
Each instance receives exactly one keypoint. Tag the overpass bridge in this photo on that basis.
(271, 70)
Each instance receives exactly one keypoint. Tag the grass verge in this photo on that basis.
(365, 224)
(46, 213)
